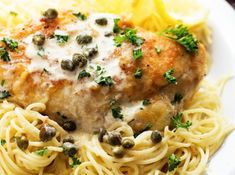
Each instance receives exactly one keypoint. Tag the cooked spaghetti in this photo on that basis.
(31, 143)
(193, 147)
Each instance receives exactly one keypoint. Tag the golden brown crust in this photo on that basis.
(92, 104)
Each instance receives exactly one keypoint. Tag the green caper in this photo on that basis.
(84, 39)
(101, 21)
(118, 152)
(69, 149)
(114, 138)
(101, 134)
(79, 60)
(67, 65)
(90, 52)
(22, 142)
(128, 143)
(156, 137)
(69, 139)
(39, 39)
(69, 126)
(47, 132)
(50, 14)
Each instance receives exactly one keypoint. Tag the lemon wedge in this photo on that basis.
(189, 12)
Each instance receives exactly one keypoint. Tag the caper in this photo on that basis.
(84, 39)
(39, 39)
(67, 65)
(108, 34)
(69, 126)
(50, 14)
(22, 142)
(69, 149)
(156, 137)
(101, 21)
(118, 152)
(128, 143)
(47, 132)
(114, 139)
(101, 134)
(79, 60)
(90, 52)
(69, 139)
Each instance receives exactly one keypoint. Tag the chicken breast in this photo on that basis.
(110, 84)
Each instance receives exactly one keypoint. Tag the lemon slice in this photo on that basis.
(190, 12)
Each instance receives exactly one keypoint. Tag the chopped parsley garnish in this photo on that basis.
(138, 73)
(147, 127)
(11, 44)
(158, 50)
(181, 34)
(3, 82)
(116, 109)
(41, 52)
(4, 94)
(3, 142)
(83, 74)
(177, 99)
(74, 162)
(168, 75)
(4, 55)
(13, 13)
(119, 40)
(46, 71)
(80, 16)
(176, 122)
(173, 162)
(99, 70)
(146, 102)
(104, 81)
(116, 28)
(128, 35)
(61, 39)
(132, 37)
(42, 152)
(137, 53)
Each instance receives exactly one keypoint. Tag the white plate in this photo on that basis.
(222, 22)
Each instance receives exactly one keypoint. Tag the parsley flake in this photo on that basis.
(137, 53)
(176, 122)
(177, 99)
(138, 73)
(74, 162)
(42, 152)
(116, 109)
(181, 34)
(4, 55)
(173, 162)
(104, 81)
(61, 39)
(4, 94)
(3, 82)
(13, 13)
(3, 142)
(116, 28)
(11, 44)
(80, 16)
(158, 50)
(83, 74)
(168, 75)
(146, 102)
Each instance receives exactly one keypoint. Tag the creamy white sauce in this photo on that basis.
(54, 52)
